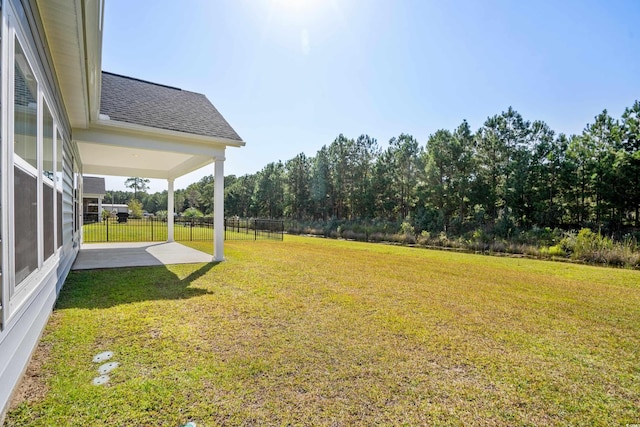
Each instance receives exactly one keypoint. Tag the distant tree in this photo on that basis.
(137, 184)
(320, 184)
(365, 153)
(408, 172)
(269, 192)
(239, 195)
(135, 208)
(630, 162)
(297, 186)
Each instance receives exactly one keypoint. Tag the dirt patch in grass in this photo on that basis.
(33, 386)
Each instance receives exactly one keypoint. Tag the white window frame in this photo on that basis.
(45, 180)
(14, 298)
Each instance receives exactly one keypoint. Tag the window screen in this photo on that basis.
(26, 223)
(48, 225)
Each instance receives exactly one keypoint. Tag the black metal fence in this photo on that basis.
(131, 230)
(253, 229)
(152, 229)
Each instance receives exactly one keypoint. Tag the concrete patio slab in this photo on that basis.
(136, 254)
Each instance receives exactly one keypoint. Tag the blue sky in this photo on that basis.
(290, 75)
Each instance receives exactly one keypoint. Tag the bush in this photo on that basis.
(192, 213)
(135, 209)
(407, 228)
(556, 250)
(589, 246)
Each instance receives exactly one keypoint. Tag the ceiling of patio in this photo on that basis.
(126, 152)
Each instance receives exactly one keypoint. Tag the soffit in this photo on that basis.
(113, 150)
(73, 31)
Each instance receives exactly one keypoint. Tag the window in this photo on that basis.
(25, 167)
(25, 109)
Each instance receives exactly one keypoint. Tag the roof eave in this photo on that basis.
(74, 34)
(165, 133)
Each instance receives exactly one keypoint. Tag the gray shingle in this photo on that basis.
(143, 103)
(93, 185)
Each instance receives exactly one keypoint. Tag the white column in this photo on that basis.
(99, 209)
(218, 211)
(170, 210)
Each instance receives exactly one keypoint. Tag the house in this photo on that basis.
(92, 195)
(62, 117)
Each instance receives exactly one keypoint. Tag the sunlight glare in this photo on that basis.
(296, 9)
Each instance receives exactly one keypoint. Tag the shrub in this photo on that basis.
(407, 228)
(192, 213)
(590, 246)
(135, 209)
(556, 250)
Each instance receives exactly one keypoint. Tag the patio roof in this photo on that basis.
(152, 130)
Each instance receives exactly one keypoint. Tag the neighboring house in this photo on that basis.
(116, 208)
(61, 116)
(92, 195)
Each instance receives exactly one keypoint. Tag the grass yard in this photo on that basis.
(324, 332)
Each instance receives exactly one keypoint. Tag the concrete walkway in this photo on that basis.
(136, 254)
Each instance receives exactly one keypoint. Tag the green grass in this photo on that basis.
(324, 332)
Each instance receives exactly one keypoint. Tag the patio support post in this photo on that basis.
(218, 210)
(99, 209)
(170, 210)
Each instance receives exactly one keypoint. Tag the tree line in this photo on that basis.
(510, 174)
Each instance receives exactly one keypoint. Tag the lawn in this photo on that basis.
(324, 332)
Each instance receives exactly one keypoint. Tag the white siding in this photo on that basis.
(26, 317)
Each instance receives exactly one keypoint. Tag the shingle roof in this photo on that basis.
(93, 185)
(150, 104)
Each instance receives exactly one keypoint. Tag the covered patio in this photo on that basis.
(150, 130)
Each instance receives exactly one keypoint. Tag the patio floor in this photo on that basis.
(136, 254)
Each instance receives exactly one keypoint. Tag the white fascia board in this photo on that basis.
(171, 134)
(93, 45)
